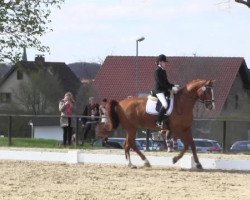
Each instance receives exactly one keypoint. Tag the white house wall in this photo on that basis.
(48, 132)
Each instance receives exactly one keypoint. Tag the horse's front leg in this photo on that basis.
(188, 141)
(180, 155)
(196, 159)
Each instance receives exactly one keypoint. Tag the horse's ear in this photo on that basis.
(212, 81)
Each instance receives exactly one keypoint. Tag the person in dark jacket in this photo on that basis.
(162, 86)
(91, 111)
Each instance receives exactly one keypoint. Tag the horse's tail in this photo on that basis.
(113, 115)
(104, 129)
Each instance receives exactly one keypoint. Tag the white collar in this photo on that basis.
(160, 67)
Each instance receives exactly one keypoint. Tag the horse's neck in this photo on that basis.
(187, 99)
(189, 95)
(195, 85)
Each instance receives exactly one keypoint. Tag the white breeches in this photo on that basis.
(162, 99)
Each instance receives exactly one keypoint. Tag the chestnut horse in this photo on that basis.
(131, 114)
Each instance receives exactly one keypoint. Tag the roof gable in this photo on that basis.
(66, 77)
(117, 77)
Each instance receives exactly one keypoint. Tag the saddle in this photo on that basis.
(153, 104)
(159, 104)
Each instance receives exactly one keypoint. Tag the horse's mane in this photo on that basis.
(195, 83)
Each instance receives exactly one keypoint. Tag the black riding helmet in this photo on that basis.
(161, 57)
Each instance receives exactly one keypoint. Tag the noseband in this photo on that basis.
(205, 90)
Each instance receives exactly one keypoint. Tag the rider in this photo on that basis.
(162, 86)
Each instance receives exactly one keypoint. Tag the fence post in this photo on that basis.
(10, 130)
(147, 140)
(77, 126)
(224, 136)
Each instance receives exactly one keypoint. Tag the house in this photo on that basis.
(124, 76)
(22, 72)
(46, 128)
(54, 80)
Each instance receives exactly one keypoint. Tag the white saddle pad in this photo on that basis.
(151, 105)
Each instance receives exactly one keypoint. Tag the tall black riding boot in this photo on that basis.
(160, 117)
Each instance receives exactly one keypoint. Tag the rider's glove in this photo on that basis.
(175, 88)
(178, 86)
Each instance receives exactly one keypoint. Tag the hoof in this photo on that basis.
(175, 159)
(199, 166)
(132, 166)
(147, 164)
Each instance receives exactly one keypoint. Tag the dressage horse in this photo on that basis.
(131, 114)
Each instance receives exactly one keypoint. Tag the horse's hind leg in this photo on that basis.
(127, 154)
(169, 142)
(143, 157)
(130, 143)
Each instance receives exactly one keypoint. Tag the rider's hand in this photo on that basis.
(175, 88)
(178, 86)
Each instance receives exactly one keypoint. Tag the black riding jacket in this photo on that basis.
(161, 81)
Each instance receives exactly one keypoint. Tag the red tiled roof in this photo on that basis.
(117, 76)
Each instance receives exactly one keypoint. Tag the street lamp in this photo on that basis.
(137, 41)
(136, 66)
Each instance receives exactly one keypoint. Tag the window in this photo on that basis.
(19, 75)
(5, 97)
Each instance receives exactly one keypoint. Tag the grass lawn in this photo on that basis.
(39, 143)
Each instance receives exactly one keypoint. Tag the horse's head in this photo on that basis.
(206, 94)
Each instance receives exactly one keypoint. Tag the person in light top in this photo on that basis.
(66, 107)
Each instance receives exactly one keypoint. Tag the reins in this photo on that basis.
(202, 100)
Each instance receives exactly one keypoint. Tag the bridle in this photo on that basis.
(205, 91)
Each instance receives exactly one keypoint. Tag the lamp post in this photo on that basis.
(137, 41)
(136, 66)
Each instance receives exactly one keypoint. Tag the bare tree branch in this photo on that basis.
(22, 23)
(247, 3)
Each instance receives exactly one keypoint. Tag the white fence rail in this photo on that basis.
(77, 156)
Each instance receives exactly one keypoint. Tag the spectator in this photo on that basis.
(103, 111)
(66, 107)
(92, 112)
(104, 117)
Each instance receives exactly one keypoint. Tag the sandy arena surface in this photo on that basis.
(40, 181)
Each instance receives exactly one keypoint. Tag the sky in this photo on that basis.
(91, 30)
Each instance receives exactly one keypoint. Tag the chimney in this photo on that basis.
(24, 57)
(40, 58)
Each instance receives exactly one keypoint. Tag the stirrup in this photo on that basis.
(159, 124)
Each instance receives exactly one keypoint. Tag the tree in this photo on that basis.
(247, 2)
(82, 97)
(22, 22)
